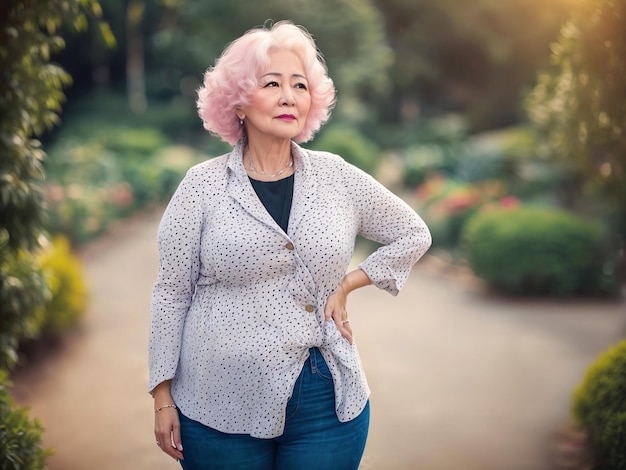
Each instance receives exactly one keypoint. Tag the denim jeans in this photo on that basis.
(314, 439)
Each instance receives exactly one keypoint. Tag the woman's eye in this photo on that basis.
(302, 86)
(271, 84)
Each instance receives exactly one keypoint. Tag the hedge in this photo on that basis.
(20, 437)
(599, 405)
(540, 251)
(67, 301)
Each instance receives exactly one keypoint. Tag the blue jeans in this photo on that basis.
(314, 439)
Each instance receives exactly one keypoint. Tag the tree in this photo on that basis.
(31, 94)
(472, 57)
(580, 104)
(135, 79)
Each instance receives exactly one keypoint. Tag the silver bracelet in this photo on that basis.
(164, 406)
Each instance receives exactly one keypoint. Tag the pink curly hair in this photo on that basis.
(227, 85)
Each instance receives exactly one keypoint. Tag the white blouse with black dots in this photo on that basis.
(238, 302)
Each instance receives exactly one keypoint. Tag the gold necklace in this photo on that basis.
(261, 172)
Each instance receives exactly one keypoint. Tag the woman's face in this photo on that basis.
(280, 104)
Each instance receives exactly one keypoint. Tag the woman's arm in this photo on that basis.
(388, 220)
(179, 241)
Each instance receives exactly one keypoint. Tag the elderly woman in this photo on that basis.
(252, 359)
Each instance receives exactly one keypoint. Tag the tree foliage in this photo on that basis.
(20, 438)
(580, 103)
(472, 57)
(31, 95)
(393, 61)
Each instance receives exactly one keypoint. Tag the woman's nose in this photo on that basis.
(286, 97)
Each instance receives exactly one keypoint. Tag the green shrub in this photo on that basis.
(22, 291)
(135, 141)
(599, 405)
(41, 295)
(102, 109)
(92, 185)
(544, 251)
(20, 438)
(65, 278)
(157, 181)
(351, 145)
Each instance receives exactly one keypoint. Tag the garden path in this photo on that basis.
(460, 380)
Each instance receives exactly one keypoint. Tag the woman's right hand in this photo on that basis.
(166, 422)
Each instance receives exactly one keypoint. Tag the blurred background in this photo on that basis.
(501, 122)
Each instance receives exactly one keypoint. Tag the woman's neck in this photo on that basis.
(268, 160)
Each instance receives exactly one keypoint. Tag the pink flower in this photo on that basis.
(509, 201)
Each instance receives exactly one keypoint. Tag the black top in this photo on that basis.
(276, 196)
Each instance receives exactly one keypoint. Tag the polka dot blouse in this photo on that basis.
(238, 302)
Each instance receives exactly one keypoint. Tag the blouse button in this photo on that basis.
(289, 246)
(309, 308)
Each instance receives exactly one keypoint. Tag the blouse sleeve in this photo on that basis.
(179, 266)
(391, 222)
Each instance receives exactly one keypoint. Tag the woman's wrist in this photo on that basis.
(163, 407)
(354, 280)
(161, 393)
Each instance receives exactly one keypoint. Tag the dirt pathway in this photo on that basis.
(459, 380)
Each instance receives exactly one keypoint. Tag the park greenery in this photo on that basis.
(504, 121)
(599, 407)
(30, 102)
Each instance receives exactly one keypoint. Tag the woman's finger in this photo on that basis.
(346, 332)
(176, 440)
(343, 325)
(166, 426)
